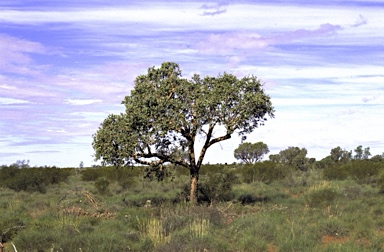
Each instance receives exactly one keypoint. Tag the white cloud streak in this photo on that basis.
(82, 102)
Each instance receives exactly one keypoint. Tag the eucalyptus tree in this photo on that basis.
(166, 114)
(293, 156)
(339, 155)
(362, 154)
(250, 153)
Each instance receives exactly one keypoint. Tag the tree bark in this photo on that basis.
(193, 193)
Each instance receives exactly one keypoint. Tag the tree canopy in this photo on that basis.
(339, 155)
(250, 153)
(165, 113)
(292, 156)
(362, 154)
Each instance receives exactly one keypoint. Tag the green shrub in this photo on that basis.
(210, 169)
(9, 227)
(218, 187)
(248, 198)
(380, 184)
(363, 171)
(321, 197)
(265, 172)
(102, 185)
(124, 176)
(213, 187)
(338, 172)
(91, 174)
(32, 179)
(8, 172)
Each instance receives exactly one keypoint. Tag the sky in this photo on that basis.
(66, 65)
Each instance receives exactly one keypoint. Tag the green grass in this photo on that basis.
(301, 212)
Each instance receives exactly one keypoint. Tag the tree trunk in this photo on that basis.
(193, 186)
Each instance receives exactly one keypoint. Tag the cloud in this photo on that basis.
(214, 6)
(8, 154)
(9, 101)
(17, 45)
(15, 54)
(5, 86)
(166, 13)
(228, 42)
(213, 13)
(360, 21)
(324, 30)
(214, 9)
(82, 102)
(42, 152)
(369, 99)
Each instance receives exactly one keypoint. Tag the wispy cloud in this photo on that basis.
(325, 30)
(225, 43)
(213, 13)
(16, 55)
(82, 102)
(360, 21)
(8, 101)
(9, 154)
(214, 9)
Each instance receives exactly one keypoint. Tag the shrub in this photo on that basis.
(213, 187)
(218, 187)
(9, 228)
(265, 172)
(335, 172)
(211, 169)
(32, 179)
(91, 174)
(251, 199)
(124, 176)
(8, 172)
(321, 197)
(380, 184)
(363, 171)
(102, 185)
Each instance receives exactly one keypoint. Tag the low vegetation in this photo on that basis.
(265, 206)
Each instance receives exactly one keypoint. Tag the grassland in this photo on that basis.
(300, 211)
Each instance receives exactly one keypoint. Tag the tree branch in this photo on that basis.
(161, 159)
(150, 163)
(208, 143)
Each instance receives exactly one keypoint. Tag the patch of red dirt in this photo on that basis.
(333, 239)
(271, 248)
(363, 241)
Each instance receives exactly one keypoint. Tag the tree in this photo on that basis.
(339, 155)
(359, 152)
(366, 153)
(275, 158)
(362, 154)
(250, 153)
(165, 113)
(294, 156)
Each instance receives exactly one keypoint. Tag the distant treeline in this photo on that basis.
(21, 177)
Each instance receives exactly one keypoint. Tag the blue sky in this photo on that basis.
(65, 65)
